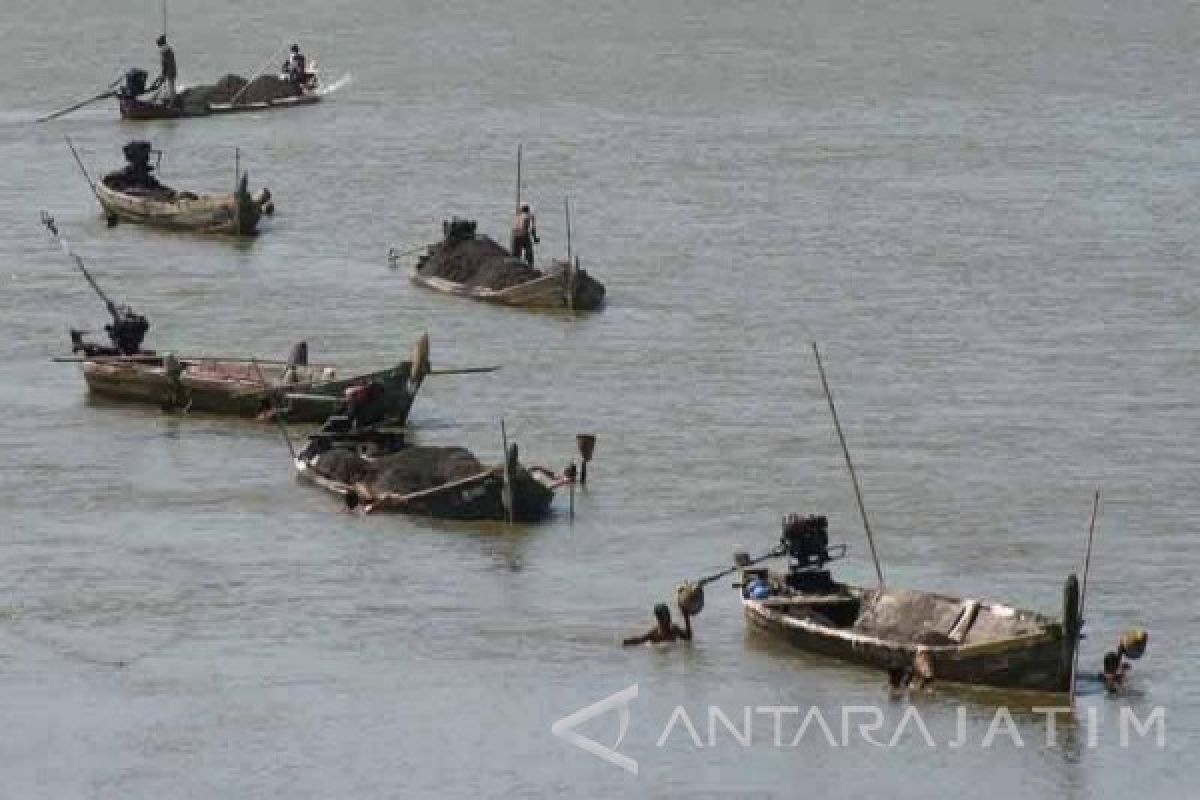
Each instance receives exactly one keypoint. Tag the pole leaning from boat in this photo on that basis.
(518, 206)
(48, 221)
(110, 91)
(1087, 563)
(862, 509)
(233, 100)
(82, 168)
(570, 261)
(506, 496)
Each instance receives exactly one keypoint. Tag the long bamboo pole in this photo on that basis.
(849, 466)
(518, 206)
(82, 168)
(257, 72)
(1087, 563)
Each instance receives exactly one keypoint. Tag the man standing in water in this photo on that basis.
(664, 630)
(167, 73)
(524, 234)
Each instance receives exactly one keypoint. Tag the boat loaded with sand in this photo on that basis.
(230, 95)
(928, 635)
(466, 264)
(375, 470)
(133, 194)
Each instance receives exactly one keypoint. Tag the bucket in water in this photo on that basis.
(691, 598)
(1134, 643)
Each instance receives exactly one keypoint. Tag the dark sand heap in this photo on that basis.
(478, 261)
(409, 470)
(262, 89)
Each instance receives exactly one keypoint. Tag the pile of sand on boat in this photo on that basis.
(410, 470)
(473, 260)
(264, 88)
(477, 261)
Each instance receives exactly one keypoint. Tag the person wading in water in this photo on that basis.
(167, 73)
(524, 234)
(664, 630)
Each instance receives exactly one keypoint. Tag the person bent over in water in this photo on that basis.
(1116, 670)
(524, 234)
(665, 630)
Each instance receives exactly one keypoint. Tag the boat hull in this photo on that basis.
(140, 110)
(477, 498)
(200, 390)
(1035, 662)
(236, 213)
(557, 289)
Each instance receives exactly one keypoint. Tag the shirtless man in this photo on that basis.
(524, 234)
(165, 82)
(665, 630)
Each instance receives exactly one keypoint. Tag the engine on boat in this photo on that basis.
(137, 173)
(134, 83)
(805, 540)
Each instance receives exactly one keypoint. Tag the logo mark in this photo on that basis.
(618, 701)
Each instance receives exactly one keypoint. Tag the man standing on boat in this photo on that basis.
(167, 73)
(524, 234)
(297, 67)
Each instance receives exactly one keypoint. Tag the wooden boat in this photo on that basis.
(956, 640)
(467, 265)
(299, 393)
(351, 463)
(133, 107)
(552, 290)
(164, 207)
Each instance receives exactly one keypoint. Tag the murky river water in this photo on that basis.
(985, 213)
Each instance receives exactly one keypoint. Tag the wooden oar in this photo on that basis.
(463, 370)
(109, 92)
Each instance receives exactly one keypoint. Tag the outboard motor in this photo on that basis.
(137, 173)
(134, 83)
(127, 330)
(806, 542)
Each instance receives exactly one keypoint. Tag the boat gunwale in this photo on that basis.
(852, 637)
